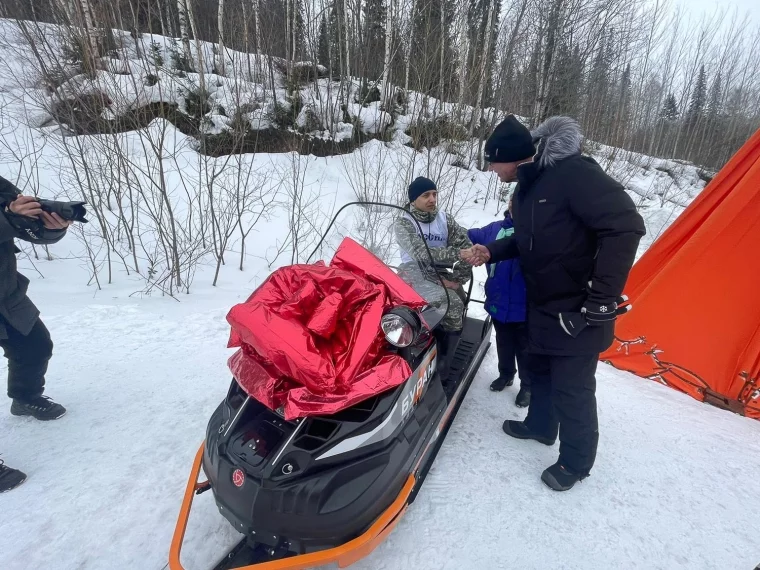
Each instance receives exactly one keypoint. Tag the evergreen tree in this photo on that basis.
(337, 32)
(323, 46)
(670, 109)
(427, 40)
(528, 81)
(481, 45)
(374, 38)
(624, 97)
(563, 97)
(297, 30)
(598, 91)
(716, 96)
(698, 96)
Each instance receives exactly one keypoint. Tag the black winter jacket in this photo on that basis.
(16, 309)
(574, 225)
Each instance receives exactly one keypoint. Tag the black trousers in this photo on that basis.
(28, 358)
(563, 398)
(511, 346)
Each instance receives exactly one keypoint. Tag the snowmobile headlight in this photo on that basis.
(401, 326)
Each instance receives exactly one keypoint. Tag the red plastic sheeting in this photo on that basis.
(695, 322)
(310, 337)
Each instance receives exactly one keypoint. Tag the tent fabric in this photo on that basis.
(695, 318)
(309, 337)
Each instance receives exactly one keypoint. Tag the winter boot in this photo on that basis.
(560, 478)
(523, 398)
(520, 431)
(501, 382)
(41, 408)
(10, 478)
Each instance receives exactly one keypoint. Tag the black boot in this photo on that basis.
(523, 398)
(41, 408)
(502, 382)
(560, 478)
(520, 431)
(10, 478)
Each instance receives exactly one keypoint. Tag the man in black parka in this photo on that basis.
(576, 234)
(23, 336)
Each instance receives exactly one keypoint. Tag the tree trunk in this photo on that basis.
(408, 55)
(346, 22)
(220, 28)
(387, 57)
(483, 68)
(183, 29)
(444, 36)
(201, 59)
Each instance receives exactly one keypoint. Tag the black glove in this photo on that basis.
(24, 224)
(32, 229)
(593, 314)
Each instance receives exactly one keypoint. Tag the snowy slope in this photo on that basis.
(141, 375)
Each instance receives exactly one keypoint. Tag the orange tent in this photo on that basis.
(695, 318)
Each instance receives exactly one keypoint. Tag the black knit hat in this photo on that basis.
(509, 142)
(419, 186)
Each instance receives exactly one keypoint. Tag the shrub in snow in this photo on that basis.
(367, 94)
(196, 102)
(156, 54)
(431, 133)
(308, 121)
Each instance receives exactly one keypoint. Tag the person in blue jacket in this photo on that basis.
(506, 303)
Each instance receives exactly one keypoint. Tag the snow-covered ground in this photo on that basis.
(673, 486)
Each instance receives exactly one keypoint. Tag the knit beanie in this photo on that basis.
(510, 142)
(419, 186)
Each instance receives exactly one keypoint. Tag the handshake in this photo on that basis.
(476, 256)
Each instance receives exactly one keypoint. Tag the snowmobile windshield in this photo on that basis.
(374, 226)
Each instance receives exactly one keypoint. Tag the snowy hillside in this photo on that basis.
(141, 372)
(173, 215)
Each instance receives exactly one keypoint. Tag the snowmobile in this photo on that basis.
(329, 488)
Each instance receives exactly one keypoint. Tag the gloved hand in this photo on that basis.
(26, 224)
(593, 314)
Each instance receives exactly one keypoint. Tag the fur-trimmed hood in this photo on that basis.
(557, 138)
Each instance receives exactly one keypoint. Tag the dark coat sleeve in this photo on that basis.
(604, 207)
(9, 231)
(503, 249)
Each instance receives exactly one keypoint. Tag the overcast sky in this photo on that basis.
(711, 6)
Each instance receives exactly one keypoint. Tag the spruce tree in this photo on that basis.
(698, 96)
(323, 46)
(670, 109)
(374, 38)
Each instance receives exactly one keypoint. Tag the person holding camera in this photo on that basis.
(23, 336)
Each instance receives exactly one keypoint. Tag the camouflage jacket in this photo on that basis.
(409, 240)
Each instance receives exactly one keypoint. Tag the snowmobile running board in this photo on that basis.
(469, 354)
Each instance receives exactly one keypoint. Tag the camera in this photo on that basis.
(69, 211)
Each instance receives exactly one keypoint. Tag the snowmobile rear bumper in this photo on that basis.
(343, 555)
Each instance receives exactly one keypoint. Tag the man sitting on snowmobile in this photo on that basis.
(444, 239)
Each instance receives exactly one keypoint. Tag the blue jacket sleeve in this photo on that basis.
(484, 235)
(475, 235)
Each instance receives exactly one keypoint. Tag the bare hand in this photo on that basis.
(26, 206)
(450, 284)
(53, 221)
(477, 255)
